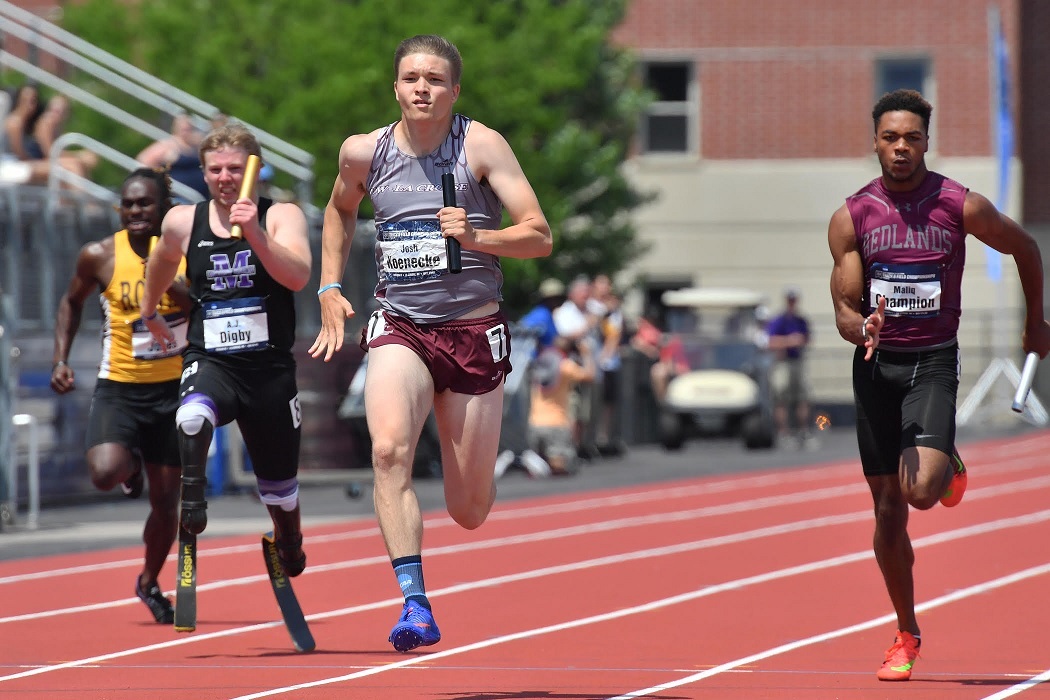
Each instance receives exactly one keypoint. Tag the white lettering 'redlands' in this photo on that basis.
(414, 280)
(913, 247)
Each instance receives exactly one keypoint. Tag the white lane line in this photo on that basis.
(479, 545)
(1017, 450)
(546, 535)
(959, 533)
(1020, 687)
(707, 591)
(952, 597)
(500, 513)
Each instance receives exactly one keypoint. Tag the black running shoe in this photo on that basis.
(132, 488)
(160, 606)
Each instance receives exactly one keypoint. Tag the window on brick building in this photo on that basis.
(896, 73)
(668, 125)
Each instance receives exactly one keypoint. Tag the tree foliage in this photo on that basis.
(542, 72)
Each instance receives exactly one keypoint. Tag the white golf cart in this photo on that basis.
(726, 391)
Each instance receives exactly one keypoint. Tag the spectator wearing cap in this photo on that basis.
(789, 335)
(540, 319)
(578, 324)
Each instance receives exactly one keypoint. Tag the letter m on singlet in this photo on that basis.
(224, 276)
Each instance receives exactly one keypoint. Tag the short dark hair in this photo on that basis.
(160, 178)
(903, 101)
(431, 45)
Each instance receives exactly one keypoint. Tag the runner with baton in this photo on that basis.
(238, 365)
(899, 251)
(439, 339)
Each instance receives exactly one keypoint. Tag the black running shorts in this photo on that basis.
(265, 403)
(140, 417)
(904, 399)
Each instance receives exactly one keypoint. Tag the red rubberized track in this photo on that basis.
(748, 586)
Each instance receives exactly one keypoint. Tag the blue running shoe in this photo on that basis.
(415, 628)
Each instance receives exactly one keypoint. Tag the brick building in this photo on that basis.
(762, 127)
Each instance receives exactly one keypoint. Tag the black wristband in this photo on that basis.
(151, 316)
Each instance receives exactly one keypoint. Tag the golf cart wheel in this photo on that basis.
(758, 432)
(672, 432)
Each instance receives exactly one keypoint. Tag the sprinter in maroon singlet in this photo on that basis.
(899, 248)
(439, 339)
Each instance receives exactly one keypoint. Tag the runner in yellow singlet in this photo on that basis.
(131, 423)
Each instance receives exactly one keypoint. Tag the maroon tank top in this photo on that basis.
(913, 248)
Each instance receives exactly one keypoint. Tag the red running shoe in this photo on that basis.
(957, 488)
(900, 658)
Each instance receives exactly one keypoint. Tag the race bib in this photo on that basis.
(144, 347)
(412, 251)
(910, 290)
(236, 325)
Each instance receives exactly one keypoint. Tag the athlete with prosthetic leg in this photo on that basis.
(239, 364)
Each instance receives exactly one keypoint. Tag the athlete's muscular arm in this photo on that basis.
(283, 247)
(847, 286)
(162, 266)
(995, 229)
(92, 263)
(491, 159)
(340, 222)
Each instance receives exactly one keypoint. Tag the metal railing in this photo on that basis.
(44, 37)
(33, 474)
(57, 175)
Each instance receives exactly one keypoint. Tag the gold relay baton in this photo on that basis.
(251, 173)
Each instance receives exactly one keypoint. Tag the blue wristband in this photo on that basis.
(333, 285)
(151, 316)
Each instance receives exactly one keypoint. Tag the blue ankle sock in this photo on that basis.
(409, 572)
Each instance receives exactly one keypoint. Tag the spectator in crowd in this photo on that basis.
(21, 152)
(787, 337)
(540, 319)
(538, 332)
(30, 131)
(575, 322)
(604, 304)
(556, 374)
(49, 126)
(218, 118)
(665, 352)
(178, 154)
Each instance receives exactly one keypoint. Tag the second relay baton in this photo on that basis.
(251, 172)
(1025, 385)
(452, 247)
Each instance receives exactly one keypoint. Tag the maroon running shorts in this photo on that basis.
(466, 356)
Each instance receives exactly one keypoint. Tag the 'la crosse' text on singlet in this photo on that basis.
(241, 314)
(129, 353)
(913, 247)
(414, 280)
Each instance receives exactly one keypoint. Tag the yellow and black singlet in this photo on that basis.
(129, 353)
